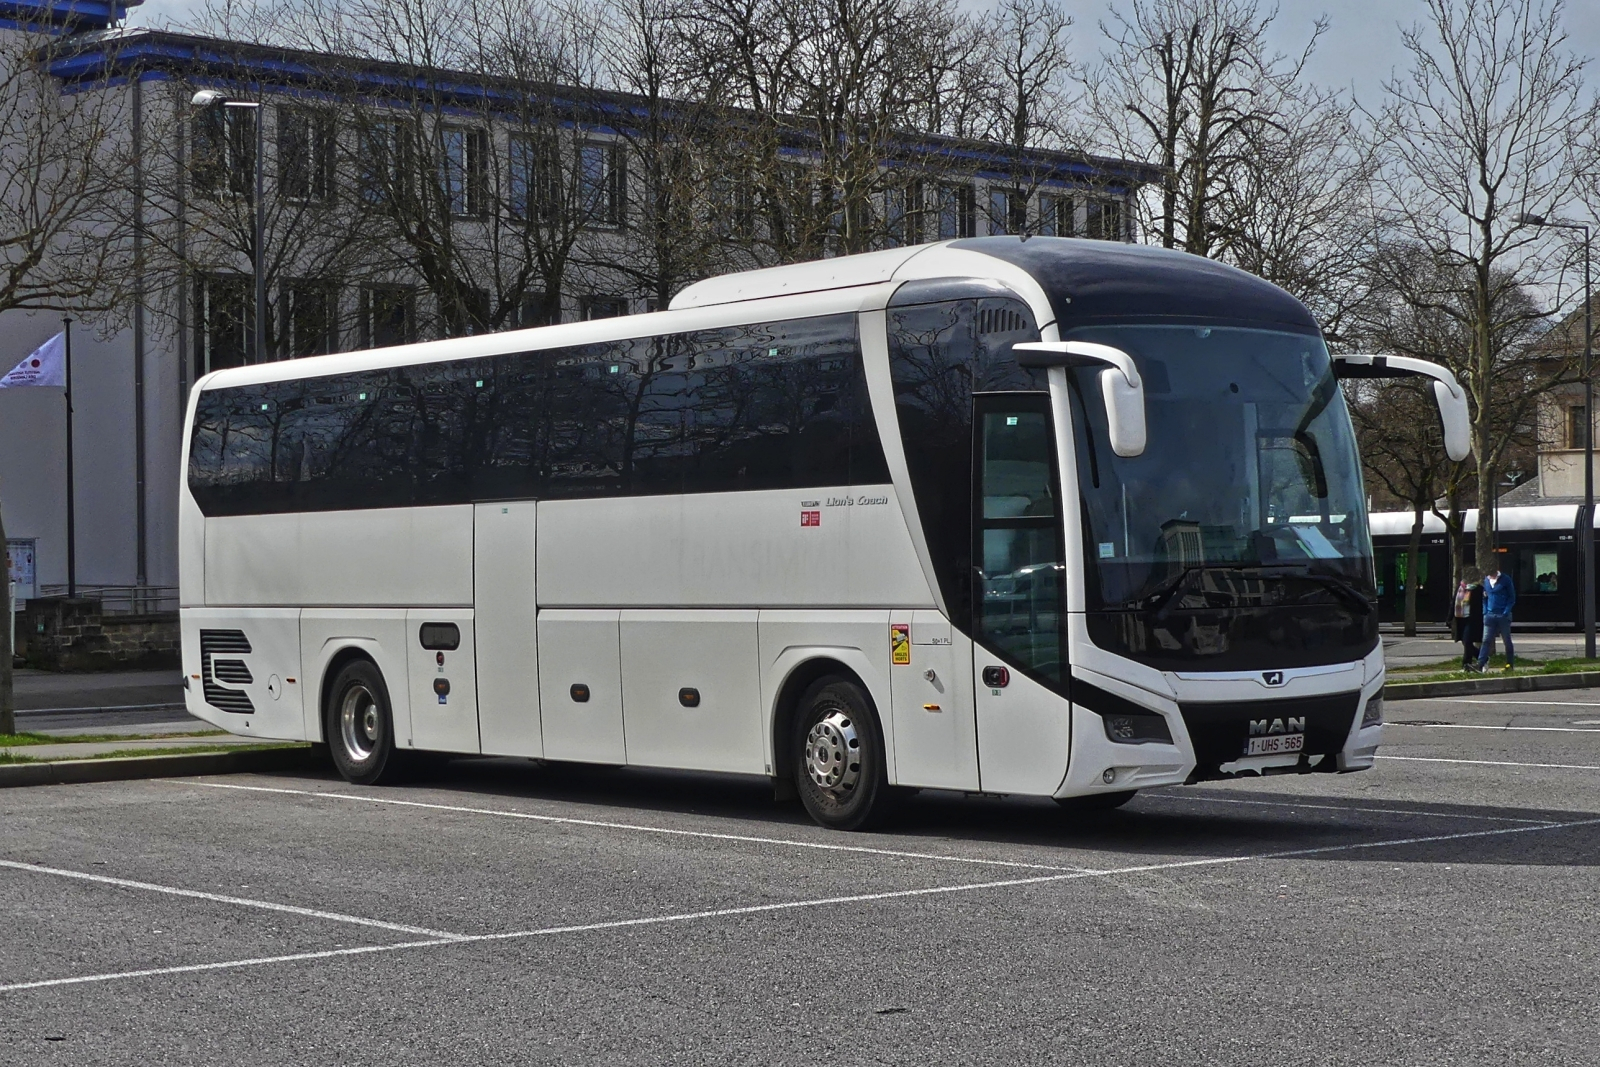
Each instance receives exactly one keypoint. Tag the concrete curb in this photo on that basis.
(111, 769)
(1526, 683)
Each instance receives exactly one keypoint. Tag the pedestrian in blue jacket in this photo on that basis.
(1499, 596)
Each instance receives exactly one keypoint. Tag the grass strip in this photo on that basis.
(7, 756)
(23, 739)
(1450, 670)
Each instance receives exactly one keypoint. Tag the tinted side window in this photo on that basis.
(765, 406)
(940, 354)
(776, 405)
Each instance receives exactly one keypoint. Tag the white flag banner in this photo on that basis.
(46, 365)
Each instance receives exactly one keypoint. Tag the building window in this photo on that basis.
(601, 307)
(733, 209)
(1008, 211)
(535, 178)
(222, 321)
(601, 183)
(1577, 427)
(1104, 221)
(902, 214)
(388, 315)
(468, 314)
(1056, 216)
(463, 164)
(224, 150)
(310, 310)
(305, 154)
(957, 212)
(533, 311)
(381, 153)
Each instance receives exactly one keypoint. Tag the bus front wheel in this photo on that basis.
(358, 724)
(838, 754)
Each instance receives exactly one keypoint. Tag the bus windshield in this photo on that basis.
(1250, 471)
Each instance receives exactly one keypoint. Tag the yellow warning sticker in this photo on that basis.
(900, 644)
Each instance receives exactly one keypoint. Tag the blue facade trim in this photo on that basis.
(63, 16)
(259, 69)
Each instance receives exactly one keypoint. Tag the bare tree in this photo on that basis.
(64, 239)
(1402, 451)
(1493, 120)
(1191, 86)
(1032, 68)
(1299, 212)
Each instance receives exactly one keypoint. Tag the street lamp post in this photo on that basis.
(216, 98)
(1588, 430)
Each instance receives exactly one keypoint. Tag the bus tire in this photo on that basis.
(1097, 801)
(359, 725)
(838, 754)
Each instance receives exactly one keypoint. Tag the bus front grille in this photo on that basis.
(1220, 730)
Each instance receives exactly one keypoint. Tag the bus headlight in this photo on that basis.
(1373, 715)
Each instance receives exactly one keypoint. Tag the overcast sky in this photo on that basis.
(1361, 48)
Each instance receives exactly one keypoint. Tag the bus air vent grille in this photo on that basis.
(232, 671)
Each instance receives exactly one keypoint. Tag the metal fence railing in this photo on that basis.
(122, 599)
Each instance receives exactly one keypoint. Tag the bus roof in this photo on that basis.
(1086, 282)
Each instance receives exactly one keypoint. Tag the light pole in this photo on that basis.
(1588, 430)
(217, 98)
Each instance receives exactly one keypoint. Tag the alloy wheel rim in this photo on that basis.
(833, 753)
(359, 723)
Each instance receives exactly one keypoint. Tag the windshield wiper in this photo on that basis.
(1338, 586)
(1160, 599)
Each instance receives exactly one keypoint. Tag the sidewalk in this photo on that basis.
(1425, 649)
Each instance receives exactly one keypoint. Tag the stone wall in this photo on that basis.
(58, 634)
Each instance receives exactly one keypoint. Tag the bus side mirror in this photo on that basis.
(1447, 392)
(1121, 388)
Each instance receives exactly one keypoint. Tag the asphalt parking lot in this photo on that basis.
(1442, 909)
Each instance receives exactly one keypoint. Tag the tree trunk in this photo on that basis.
(1413, 571)
(8, 703)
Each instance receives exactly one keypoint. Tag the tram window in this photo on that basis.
(1537, 572)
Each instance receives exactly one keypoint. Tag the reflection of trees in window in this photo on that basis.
(940, 354)
(750, 407)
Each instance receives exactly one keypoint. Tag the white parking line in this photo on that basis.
(267, 905)
(634, 827)
(1496, 763)
(150, 972)
(1194, 799)
(1546, 703)
(757, 909)
(1470, 726)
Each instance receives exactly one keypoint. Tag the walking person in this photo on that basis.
(1468, 611)
(1499, 597)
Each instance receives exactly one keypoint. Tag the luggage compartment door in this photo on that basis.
(580, 685)
(443, 674)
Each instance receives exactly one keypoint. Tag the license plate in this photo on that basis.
(1274, 745)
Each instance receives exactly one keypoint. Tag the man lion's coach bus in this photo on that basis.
(1051, 517)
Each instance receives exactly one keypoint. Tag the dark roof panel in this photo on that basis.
(1092, 282)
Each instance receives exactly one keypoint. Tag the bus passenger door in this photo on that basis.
(1018, 596)
(508, 651)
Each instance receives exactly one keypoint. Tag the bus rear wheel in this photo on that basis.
(838, 755)
(359, 726)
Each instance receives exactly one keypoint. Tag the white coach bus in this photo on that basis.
(1051, 517)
